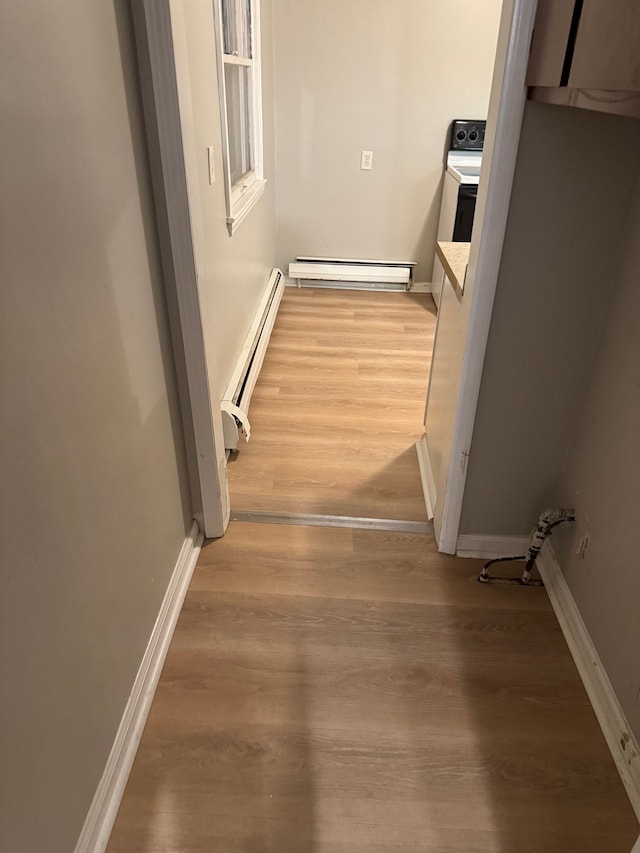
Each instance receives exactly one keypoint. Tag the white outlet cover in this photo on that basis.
(366, 161)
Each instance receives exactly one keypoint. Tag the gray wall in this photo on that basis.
(601, 478)
(233, 271)
(372, 74)
(572, 188)
(94, 498)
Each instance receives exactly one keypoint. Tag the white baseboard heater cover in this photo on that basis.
(397, 275)
(237, 397)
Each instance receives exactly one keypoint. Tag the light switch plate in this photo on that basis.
(212, 167)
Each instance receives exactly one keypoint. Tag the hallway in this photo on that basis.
(339, 406)
(340, 690)
(354, 691)
(290, 688)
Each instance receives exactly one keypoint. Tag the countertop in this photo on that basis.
(454, 258)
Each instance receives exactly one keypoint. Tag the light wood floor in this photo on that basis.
(339, 406)
(351, 691)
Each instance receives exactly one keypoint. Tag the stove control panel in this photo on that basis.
(467, 135)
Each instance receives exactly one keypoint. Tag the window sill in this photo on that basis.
(244, 204)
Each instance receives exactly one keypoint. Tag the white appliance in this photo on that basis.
(459, 192)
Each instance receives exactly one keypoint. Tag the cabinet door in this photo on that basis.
(549, 42)
(607, 49)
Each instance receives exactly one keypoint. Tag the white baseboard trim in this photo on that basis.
(317, 284)
(490, 547)
(620, 740)
(104, 808)
(416, 287)
(426, 475)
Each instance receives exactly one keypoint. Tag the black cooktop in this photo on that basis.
(467, 135)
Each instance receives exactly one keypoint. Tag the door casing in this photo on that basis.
(182, 256)
(504, 121)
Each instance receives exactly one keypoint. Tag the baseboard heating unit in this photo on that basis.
(352, 274)
(237, 397)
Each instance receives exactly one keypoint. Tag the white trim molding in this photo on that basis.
(620, 740)
(160, 41)
(491, 547)
(241, 208)
(426, 475)
(106, 801)
(242, 195)
(506, 108)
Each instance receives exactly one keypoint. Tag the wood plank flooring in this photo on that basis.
(353, 691)
(339, 406)
(333, 690)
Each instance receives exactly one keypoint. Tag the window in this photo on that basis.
(238, 42)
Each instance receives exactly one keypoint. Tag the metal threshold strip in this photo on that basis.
(316, 520)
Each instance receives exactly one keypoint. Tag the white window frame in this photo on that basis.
(243, 195)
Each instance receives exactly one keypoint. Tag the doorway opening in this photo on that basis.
(200, 260)
(338, 407)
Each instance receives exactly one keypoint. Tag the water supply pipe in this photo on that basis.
(548, 519)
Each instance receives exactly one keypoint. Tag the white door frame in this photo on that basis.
(203, 424)
(506, 108)
(201, 415)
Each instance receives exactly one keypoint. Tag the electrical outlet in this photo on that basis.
(366, 160)
(212, 167)
(583, 544)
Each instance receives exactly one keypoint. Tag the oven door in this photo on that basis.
(467, 195)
